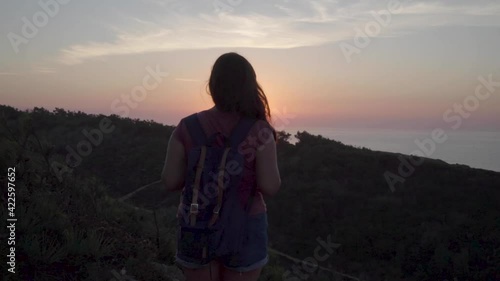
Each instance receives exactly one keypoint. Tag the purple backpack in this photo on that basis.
(213, 219)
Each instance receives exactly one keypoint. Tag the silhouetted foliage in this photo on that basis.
(442, 223)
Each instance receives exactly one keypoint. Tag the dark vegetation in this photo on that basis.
(443, 223)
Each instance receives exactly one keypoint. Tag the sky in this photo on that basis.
(325, 63)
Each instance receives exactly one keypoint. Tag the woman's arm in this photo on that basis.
(172, 175)
(268, 175)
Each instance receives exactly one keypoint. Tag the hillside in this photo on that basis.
(442, 223)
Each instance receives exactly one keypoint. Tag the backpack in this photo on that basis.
(213, 219)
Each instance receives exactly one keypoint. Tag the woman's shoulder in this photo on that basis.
(259, 123)
(262, 131)
(262, 126)
(204, 114)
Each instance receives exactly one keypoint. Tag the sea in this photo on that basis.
(477, 149)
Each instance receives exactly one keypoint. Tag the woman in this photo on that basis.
(235, 93)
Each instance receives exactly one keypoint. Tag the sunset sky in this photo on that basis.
(423, 57)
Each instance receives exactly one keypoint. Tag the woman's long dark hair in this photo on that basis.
(234, 88)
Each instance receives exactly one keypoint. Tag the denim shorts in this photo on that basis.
(253, 253)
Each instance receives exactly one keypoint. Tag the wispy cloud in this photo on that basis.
(206, 31)
(187, 80)
(43, 69)
(171, 5)
(277, 26)
(8, 73)
(437, 8)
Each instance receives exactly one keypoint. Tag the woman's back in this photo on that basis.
(214, 121)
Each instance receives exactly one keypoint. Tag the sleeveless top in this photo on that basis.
(213, 121)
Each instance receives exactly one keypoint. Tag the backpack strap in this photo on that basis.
(241, 130)
(196, 132)
(198, 138)
(220, 187)
(199, 168)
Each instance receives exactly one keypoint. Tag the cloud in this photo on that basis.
(187, 80)
(43, 69)
(206, 31)
(259, 24)
(439, 8)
